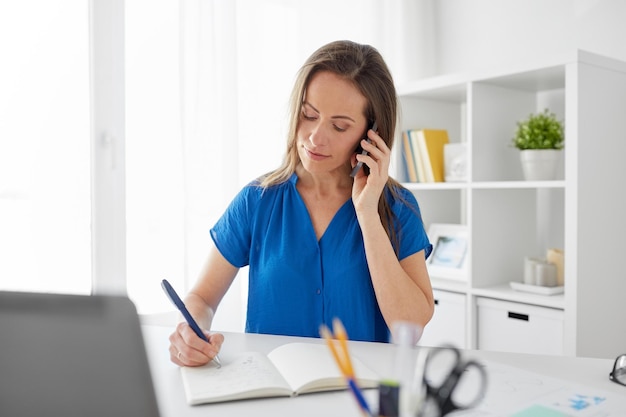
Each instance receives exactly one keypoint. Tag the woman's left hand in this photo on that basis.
(367, 189)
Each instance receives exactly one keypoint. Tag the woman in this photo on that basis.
(321, 244)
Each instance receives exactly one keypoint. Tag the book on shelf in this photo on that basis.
(431, 144)
(409, 159)
(289, 370)
(417, 156)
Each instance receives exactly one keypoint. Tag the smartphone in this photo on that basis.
(362, 151)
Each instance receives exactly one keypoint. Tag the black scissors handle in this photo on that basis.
(443, 394)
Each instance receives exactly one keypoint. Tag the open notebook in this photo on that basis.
(72, 355)
(288, 370)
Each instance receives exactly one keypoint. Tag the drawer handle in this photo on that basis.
(518, 316)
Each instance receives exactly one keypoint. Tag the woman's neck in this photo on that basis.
(324, 185)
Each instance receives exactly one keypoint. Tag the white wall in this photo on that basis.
(478, 34)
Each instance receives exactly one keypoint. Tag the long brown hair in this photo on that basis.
(365, 68)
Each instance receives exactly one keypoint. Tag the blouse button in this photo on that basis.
(318, 292)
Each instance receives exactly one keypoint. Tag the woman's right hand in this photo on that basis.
(187, 349)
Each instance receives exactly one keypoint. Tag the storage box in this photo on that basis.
(517, 327)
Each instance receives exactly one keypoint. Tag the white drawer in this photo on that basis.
(516, 327)
(448, 323)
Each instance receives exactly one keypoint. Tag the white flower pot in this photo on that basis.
(540, 164)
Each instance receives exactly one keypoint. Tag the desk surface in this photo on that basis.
(588, 372)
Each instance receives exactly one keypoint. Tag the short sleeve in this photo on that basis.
(232, 234)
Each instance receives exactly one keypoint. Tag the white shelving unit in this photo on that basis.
(583, 212)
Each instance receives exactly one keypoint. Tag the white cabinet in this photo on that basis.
(448, 323)
(582, 212)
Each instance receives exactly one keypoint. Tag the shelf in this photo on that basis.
(449, 285)
(505, 292)
(509, 218)
(537, 80)
(415, 186)
(450, 88)
(483, 185)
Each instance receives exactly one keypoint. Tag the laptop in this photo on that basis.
(72, 355)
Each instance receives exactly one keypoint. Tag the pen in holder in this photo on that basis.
(342, 358)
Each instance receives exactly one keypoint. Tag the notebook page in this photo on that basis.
(246, 375)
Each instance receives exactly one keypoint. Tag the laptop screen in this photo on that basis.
(72, 355)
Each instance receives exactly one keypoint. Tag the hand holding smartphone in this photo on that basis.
(362, 151)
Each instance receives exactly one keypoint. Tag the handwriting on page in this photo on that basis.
(243, 373)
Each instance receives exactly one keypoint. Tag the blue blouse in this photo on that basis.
(296, 282)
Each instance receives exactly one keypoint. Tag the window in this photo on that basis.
(45, 237)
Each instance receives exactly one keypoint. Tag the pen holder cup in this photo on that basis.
(388, 399)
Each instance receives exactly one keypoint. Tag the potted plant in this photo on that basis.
(540, 141)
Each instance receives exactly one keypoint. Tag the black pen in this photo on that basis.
(175, 299)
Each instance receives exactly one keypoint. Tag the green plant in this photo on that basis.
(539, 131)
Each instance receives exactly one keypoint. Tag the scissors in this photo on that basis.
(449, 382)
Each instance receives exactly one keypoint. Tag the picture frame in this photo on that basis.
(450, 251)
(455, 162)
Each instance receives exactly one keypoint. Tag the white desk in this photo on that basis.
(169, 390)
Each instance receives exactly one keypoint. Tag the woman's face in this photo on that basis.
(332, 123)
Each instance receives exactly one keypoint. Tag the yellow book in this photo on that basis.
(408, 157)
(431, 143)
